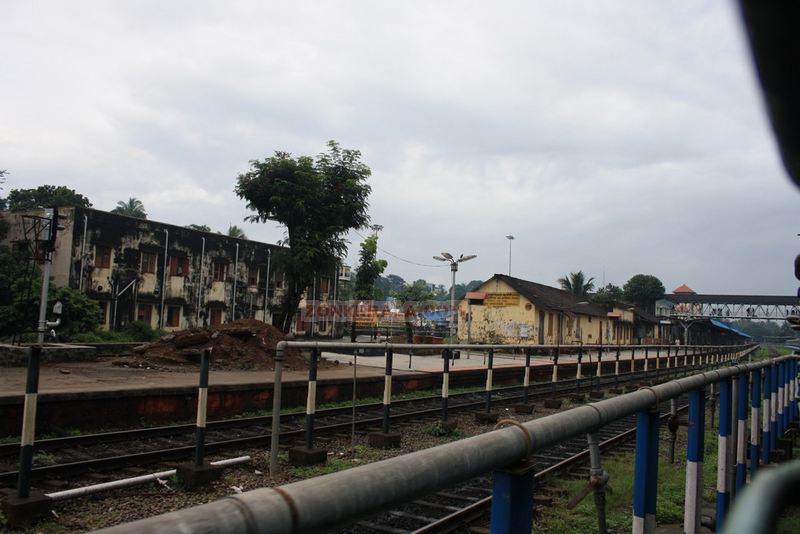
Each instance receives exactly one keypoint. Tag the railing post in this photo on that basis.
(616, 367)
(658, 359)
(723, 461)
(645, 482)
(527, 379)
(755, 422)
(694, 462)
(28, 423)
(202, 406)
(554, 379)
(646, 362)
(445, 383)
(599, 372)
(668, 362)
(193, 474)
(512, 497)
(387, 390)
(766, 439)
(489, 381)
(311, 400)
(578, 374)
(741, 433)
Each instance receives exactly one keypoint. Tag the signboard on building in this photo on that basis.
(500, 300)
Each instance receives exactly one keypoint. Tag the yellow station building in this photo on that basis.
(505, 309)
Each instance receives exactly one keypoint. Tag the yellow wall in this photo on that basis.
(508, 317)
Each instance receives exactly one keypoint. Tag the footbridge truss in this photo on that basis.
(766, 307)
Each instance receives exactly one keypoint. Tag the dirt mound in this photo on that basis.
(246, 344)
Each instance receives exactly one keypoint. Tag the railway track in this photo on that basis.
(76, 455)
(459, 506)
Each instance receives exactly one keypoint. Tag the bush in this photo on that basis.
(140, 331)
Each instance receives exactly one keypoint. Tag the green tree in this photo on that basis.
(3, 201)
(369, 269)
(417, 292)
(577, 284)
(46, 196)
(644, 290)
(390, 284)
(318, 201)
(133, 207)
(609, 294)
(235, 231)
(199, 227)
(19, 293)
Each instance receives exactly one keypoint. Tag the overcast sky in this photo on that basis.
(613, 137)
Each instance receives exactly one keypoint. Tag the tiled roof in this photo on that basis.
(552, 298)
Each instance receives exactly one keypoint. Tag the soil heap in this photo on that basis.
(247, 344)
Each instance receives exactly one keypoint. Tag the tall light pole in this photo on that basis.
(447, 257)
(510, 239)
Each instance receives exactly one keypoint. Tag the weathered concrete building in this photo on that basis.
(165, 275)
(511, 310)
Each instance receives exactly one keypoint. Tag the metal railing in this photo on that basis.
(321, 503)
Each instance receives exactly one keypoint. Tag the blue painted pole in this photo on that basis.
(512, 497)
(723, 462)
(694, 462)
(794, 390)
(755, 423)
(766, 416)
(773, 401)
(645, 481)
(741, 434)
(779, 405)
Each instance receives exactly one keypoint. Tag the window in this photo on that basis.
(216, 316)
(149, 262)
(550, 324)
(103, 312)
(252, 276)
(144, 312)
(102, 257)
(219, 271)
(173, 316)
(324, 285)
(178, 266)
(277, 279)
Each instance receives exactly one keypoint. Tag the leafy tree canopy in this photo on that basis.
(369, 269)
(133, 207)
(235, 231)
(419, 291)
(609, 294)
(577, 284)
(45, 196)
(317, 201)
(199, 227)
(644, 290)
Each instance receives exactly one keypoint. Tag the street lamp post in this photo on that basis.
(447, 257)
(510, 239)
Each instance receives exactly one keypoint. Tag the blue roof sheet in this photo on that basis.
(720, 324)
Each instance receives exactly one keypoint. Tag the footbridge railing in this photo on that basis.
(320, 503)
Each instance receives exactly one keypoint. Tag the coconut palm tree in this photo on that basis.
(577, 284)
(235, 231)
(132, 208)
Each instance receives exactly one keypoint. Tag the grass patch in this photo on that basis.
(43, 458)
(438, 430)
(619, 502)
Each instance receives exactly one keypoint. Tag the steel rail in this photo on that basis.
(564, 387)
(309, 505)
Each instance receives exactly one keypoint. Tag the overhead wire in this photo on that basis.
(395, 256)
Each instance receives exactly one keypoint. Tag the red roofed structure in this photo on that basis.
(684, 290)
